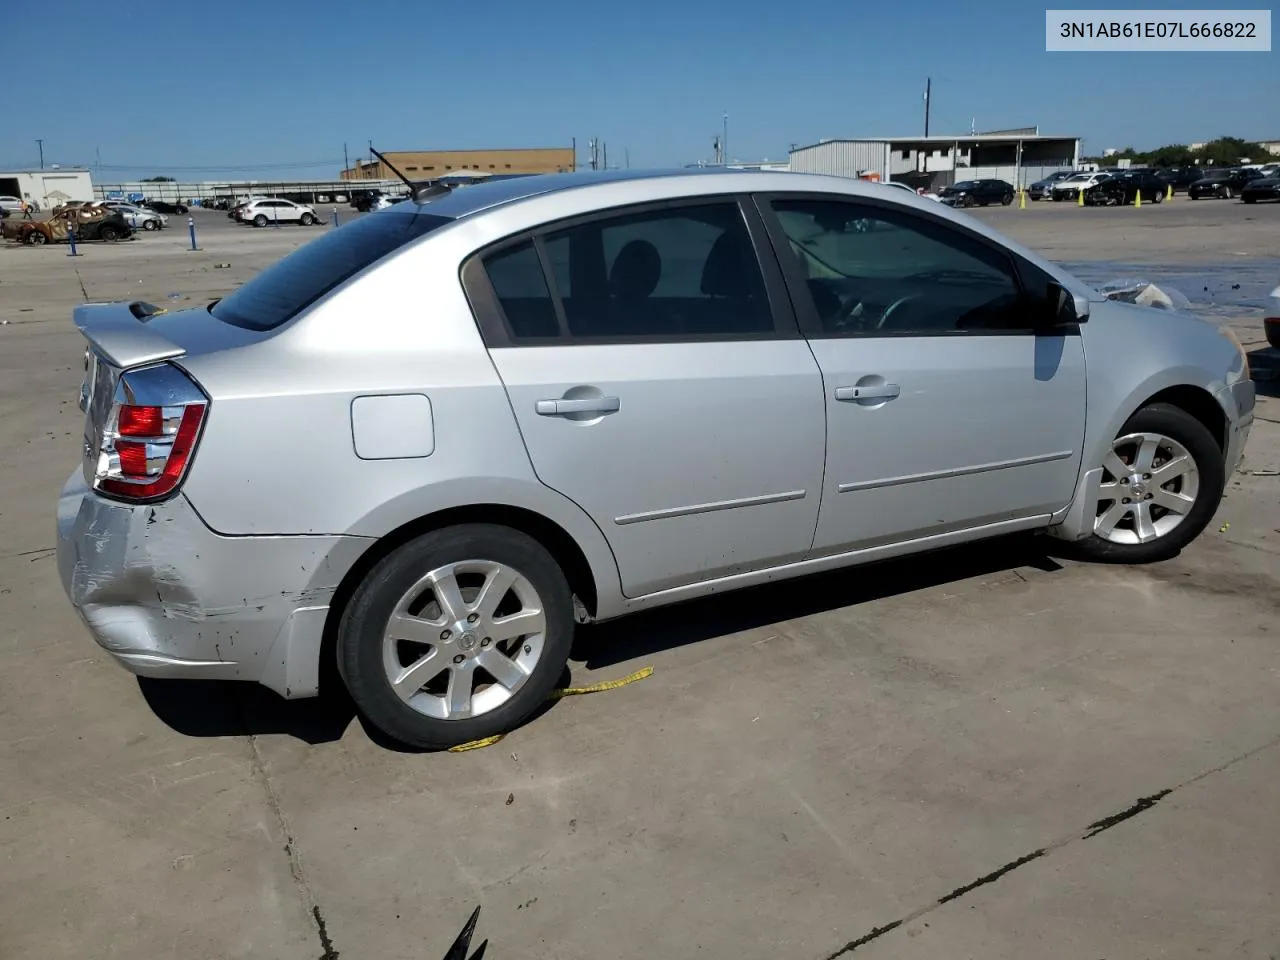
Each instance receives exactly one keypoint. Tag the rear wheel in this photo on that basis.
(260, 220)
(1157, 197)
(458, 635)
(110, 233)
(1162, 481)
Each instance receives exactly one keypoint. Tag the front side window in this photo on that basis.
(874, 271)
(672, 273)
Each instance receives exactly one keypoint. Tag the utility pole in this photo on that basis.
(370, 168)
(575, 153)
(724, 139)
(40, 144)
(626, 153)
(605, 149)
(346, 160)
(928, 90)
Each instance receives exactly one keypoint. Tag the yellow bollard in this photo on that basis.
(1169, 195)
(1022, 199)
(1079, 198)
(1137, 197)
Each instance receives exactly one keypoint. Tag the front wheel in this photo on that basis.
(1249, 199)
(109, 233)
(150, 224)
(1006, 199)
(35, 238)
(456, 636)
(1157, 197)
(1161, 483)
(308, 219)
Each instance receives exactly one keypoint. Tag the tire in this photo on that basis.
(1006, 199)
(1227, 193)
(1249, 199)
(260, 220)
(150, 225)
(1204, 485)
(1157, 197)
(367, 657)
(109, 233)
(35, 238)
(308, 219)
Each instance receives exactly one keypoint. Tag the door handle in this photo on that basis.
(880, 391)
(559, 408)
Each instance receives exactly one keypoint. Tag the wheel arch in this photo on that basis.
(1198, 403)
(566, 550)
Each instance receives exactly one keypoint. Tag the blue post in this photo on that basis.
(191, 228)
(71, 235)
(276, 213)
(335, 216)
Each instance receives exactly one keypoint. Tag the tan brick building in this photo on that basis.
(430, 164)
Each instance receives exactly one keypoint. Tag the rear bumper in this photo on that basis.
(167, 597)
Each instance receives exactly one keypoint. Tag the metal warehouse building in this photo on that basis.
(1017, 156)
(48, 188)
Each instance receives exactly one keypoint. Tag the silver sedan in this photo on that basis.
(140, 218)
(430, 442)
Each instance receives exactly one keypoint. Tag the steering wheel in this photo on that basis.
(890, 310)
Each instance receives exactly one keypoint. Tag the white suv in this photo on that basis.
(262, 212)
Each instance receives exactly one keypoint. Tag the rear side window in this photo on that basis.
(287, 287)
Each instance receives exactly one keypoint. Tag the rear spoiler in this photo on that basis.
(119, 333)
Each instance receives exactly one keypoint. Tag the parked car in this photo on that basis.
(164, 206)
(14, 204)
(1042, 188)
(363, 200)
(919, 192)
(263, 212)
(1122, 188)
(1261, 188)
(90, 222)
(1271, 319)
(1071, 187)
(137, 216)
(1180, 177)
(841, 375)
(1221, 184)
(980, 193)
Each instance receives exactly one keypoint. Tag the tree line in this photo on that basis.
(1222, 152)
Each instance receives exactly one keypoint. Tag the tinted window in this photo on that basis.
(521, 288)
(288, 286)
(662, 274)
(874, 271)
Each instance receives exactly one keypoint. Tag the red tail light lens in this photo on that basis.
(146, 443)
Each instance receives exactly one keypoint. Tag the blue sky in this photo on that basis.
(197, 88)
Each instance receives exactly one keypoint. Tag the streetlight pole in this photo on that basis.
(724, 140)
(40, 144)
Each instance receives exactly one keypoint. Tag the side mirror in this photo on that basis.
(1062, 308)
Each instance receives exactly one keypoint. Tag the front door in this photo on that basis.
(656, 384)
(946, 410)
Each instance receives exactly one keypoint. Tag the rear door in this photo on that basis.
(947, 410)
(660, 383)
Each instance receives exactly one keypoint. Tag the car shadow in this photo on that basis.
(223, 708)
(644, 634)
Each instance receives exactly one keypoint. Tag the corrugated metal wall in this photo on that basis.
(840, 158)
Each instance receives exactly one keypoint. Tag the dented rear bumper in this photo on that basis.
(168, 597)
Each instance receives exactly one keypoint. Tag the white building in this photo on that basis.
(1020, 157)
(48, 187)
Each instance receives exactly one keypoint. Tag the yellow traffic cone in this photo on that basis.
(1169, 195)
(1137, 198)
(1079, 198)
(1022, 199)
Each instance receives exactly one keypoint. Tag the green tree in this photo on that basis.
(1228, 151)
(157, 180)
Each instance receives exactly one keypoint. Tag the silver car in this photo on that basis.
(140, 218)
(428, 443)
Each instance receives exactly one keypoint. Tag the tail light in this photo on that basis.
(144, 443)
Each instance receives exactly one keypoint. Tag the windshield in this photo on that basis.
(284, 289)
(966, 185)
(1217, 175)
(1079, 176)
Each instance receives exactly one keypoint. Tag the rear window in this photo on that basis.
(288, 286)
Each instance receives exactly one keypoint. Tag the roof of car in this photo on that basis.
(467, 200)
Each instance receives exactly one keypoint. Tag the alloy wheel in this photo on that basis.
(463, 639)
(1150, 485)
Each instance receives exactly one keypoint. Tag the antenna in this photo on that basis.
(418, 193)
(928, 89)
